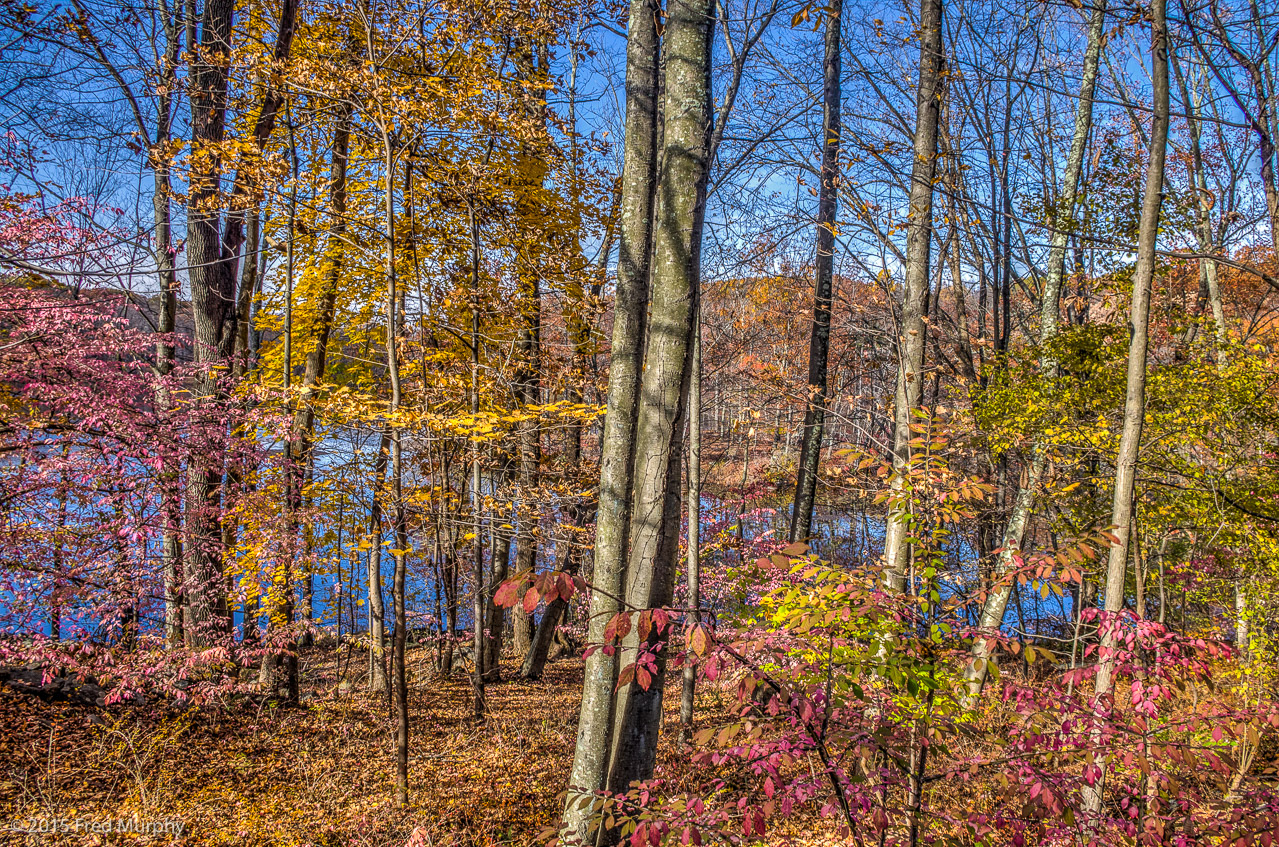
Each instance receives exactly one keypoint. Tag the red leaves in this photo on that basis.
(781, 560)
(548, 586)
(507, 594)
(753, 822)
(643, 677)
(618, 626)
(653, 622)
(564, 586)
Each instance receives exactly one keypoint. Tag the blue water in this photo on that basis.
(837, 535)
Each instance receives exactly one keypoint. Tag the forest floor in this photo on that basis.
(251, 773)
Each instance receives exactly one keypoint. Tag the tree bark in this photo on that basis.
(212, 292)
(638, 187)
(1122, 505)
(688, 691)
(480, 596)
(501, 558)
(654, 531)
(529, 210)
(161, 167)
(213, 255)
(819, 343)
(1203, 208)
(377, 605)
(910, 367)
(400, 553)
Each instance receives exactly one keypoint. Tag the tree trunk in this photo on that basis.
(918, 250)
(529, 209)
(161, 167)
(819, 343)
(400, 552)
(996, 602)
(654, 531)
(501, 557)
(377, 606)
(1203, 208)
(212, 292)
(1135, 389)
(578, 323)
(638, 188)
(213, 254)
(689, 690)
(480, 597)
(555, 612)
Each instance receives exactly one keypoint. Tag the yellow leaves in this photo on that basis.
(494, 425)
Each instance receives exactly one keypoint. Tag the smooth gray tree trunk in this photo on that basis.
(689, 689)
(654, 536)
(1122, 505)
(590, 757)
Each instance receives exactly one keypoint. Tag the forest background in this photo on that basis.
(843, 422)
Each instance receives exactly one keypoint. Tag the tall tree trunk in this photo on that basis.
(689, 688)
(577, 321)
(499, 569)
(1203, 208)
(241, 361)
(654, 531)
(911, 343)
(481, 597)
(302, 433)
(377, 605)
(1121, 512)
(213, 254)
(501, 560)
(617, 454)
(529, 208)
(161, 167)
(819, 343)
(399, 673)
(996, 602)
(212, 292)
